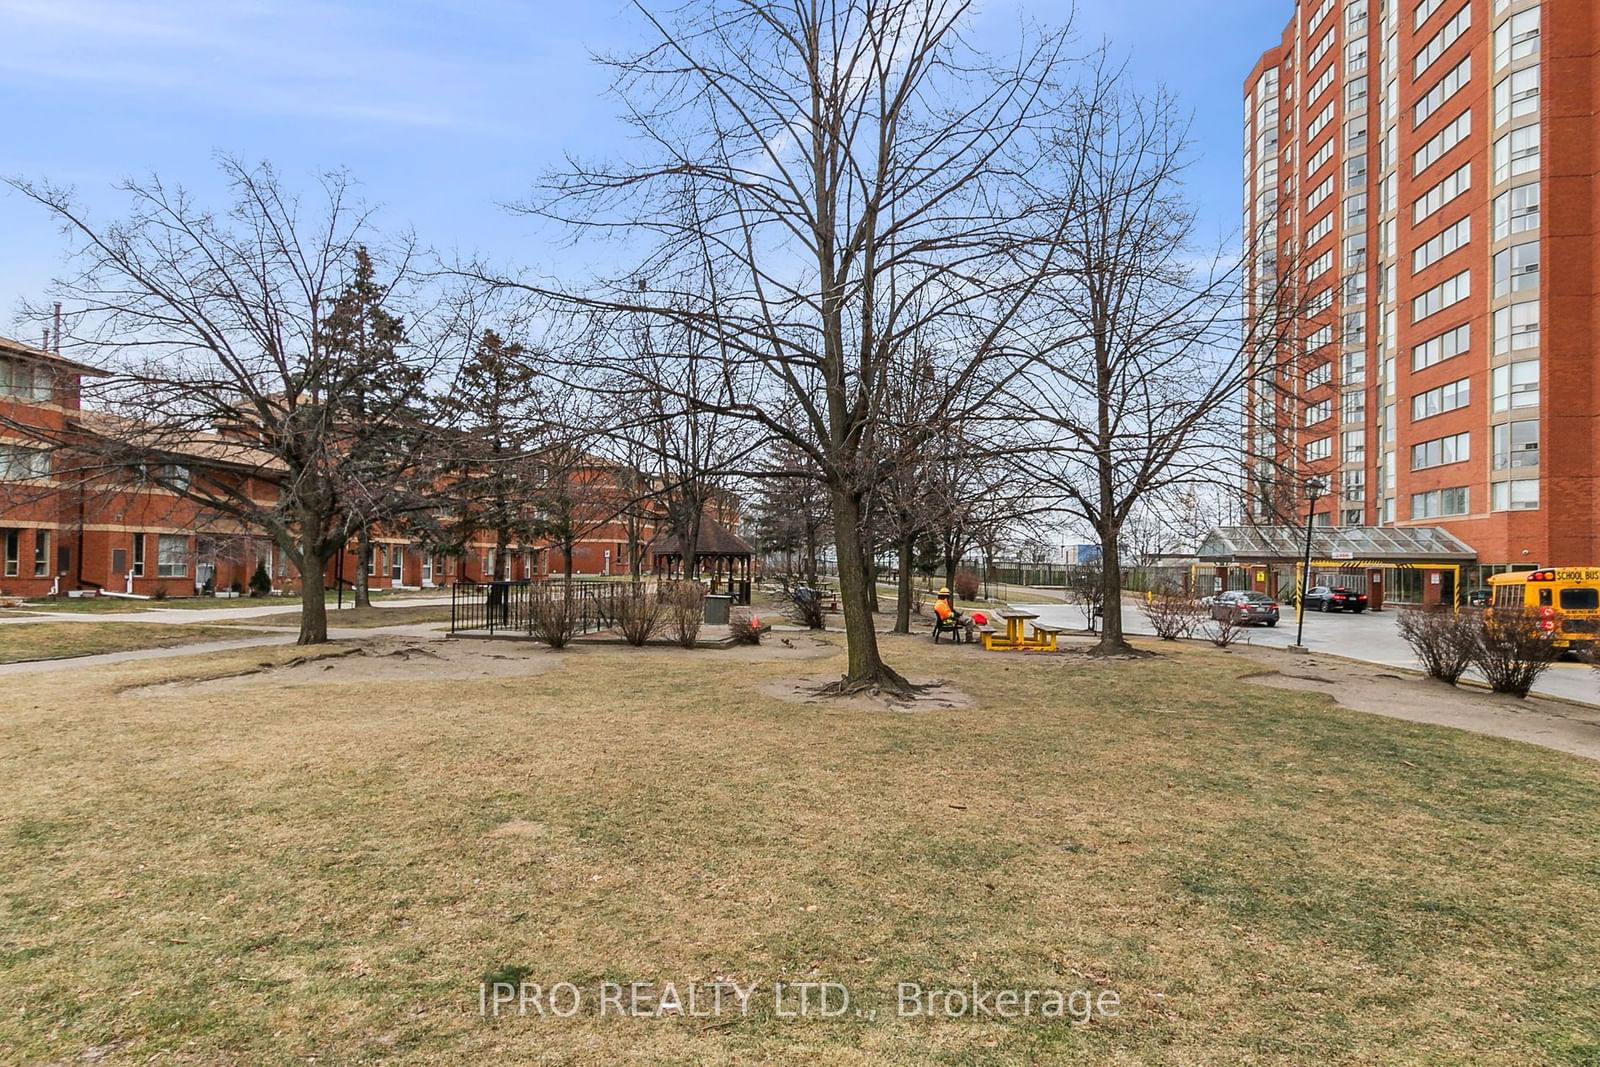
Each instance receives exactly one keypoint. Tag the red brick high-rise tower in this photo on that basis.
(1430, 170)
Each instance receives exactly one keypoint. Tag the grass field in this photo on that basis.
(273, 869)
(64, 640)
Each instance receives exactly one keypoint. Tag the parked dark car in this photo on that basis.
(1480, 598)
(1335, 598)
(1245, 608)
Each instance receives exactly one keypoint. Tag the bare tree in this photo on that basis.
(1143, 396)
(856, 170)
(230, 377)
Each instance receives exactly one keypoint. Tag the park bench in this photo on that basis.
(1046, 635)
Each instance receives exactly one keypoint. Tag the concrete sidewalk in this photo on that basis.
(286, 635)
(181, 616)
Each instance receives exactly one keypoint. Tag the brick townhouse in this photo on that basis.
(64, 529)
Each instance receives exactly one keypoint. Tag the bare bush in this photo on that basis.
(640, 615)
(1515, 646)
(553, 614)
(1225, 631)
(803, 604)
(746, 629)
(965, 585)
(1173, 614)
(686, 611)
(1443, 640)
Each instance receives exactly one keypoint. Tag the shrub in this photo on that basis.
(159, 593)
(686, 611)
(1515, 646)
(802, 604)
(639, 615)
(260, 581)
(965, 585)
(553, 615)
(1172, 614)
(746, 629)
(1225, 631)
(1444, 641)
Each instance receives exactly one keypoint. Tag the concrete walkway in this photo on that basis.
(250, 638)
(183, 616)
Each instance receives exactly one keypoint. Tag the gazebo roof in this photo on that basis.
(1381, 543)
(715, 540)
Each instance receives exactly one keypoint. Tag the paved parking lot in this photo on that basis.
(1371, 637)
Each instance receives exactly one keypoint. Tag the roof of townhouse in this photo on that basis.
(17, 349)
(204, 448)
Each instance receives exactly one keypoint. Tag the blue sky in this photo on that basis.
(442, 109)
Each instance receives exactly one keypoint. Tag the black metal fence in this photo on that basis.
(510, 607)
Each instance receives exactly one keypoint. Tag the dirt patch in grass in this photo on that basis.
(381, 659)
(27, 642)
(929, 695)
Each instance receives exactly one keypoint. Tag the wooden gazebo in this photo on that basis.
(725, 560)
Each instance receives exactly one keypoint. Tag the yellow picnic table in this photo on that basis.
(1016, 638)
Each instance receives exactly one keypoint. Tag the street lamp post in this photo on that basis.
(1315, 488)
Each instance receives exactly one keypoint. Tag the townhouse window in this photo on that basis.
(1447, 293)
(172, 556)
(1319, 375)
(1318, 412)
(1516, 211)
(1353, 484)
(1516, 327)
(13, 546)
(18, 464)
(1516, 153)
(1516, 38)
(138, 555)
(1516, 385)
(41, 553)
(1321, 448)
(1520, 494)
(1516, 95)
(1516, 444)
(25, 381)
(1516, 269)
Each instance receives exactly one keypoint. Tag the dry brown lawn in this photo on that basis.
(328, 866)
(64, 640)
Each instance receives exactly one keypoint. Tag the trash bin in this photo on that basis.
(717, 605)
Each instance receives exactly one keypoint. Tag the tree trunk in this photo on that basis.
(313, 602)
(904, 591)
(866, 669)
(363, 567)
(1111, 639)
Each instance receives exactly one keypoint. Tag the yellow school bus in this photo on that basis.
(1567, 599)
